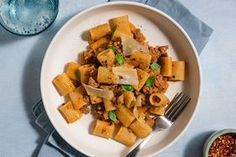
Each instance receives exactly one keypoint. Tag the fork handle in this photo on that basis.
(137, 148)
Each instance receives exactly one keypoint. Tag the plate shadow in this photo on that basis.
(194, 147)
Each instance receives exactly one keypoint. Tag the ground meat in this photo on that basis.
(160, 85)
(97, 111)
(113, 100)
(89, 56)
(155, 53)
(105, 115)
(138, 35)
(120, 100)
(85, 109)
(118, 90)
(163, 50)
(154, 72)
(92, 82)
(93, 72)
(99, 107)
(99, 115)
(115, 88)
(100, 49)
(117, 45)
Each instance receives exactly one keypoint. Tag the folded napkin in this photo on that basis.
(199, 32)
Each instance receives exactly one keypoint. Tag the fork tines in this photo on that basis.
(176, 106)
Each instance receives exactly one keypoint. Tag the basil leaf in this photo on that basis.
(155, 66)
(120, 59)
(77, 74)
(113, 29)
(112, 49)
(127, 88)
(150, 81)
(112, 116)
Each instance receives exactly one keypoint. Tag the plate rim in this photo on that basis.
(135, 4)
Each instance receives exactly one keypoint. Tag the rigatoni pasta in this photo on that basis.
(178, 71)
(77, 98)
(107, 58)
(160, 110)
(121, 80)
(108, 104)
(142, 78)
(106, 76)
(95, 99)
(72, 70)
(158, 99)
(125, 116)
(104, 129)
(166, 66)
(101, 43)
(125, 136)
(84, 72)
(99, 31)
(63, 84)
(140, 60)
(140, 128)
(121, 25)
(69, 113)
(129, 99)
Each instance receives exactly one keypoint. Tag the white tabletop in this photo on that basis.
(21, 57)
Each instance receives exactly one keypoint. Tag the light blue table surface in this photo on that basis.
(21, 58)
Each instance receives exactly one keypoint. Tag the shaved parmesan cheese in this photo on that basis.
(102, 93)
(127, 76)
(135, 112)
(130, 46)
(138, 101)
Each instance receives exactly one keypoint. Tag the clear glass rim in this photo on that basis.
(32, 34)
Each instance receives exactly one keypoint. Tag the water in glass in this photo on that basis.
(27, 16)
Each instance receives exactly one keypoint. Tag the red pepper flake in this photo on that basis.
(223, 146)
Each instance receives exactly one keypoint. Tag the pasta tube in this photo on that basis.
(142, 78)
(85, 72)
(77, 98)
(99, 31)
(125, 116)
(71, 70)
(132, 27)
(160, 111)
(103, 129)
(106, 57)
(109, 106)
(125, 136)
(69, 113)
(122, 25)
(95, 99)
(63, 84)
(105, 75)
(158, 99)
(101, 43)
(178, 71)
(166, 66)
(140, 60)
(129, 99)
(140, 128)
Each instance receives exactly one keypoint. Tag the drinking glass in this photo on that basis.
(27, 17)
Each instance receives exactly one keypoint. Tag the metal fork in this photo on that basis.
(174, 109)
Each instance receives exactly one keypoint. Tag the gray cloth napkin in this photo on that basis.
(199, 32)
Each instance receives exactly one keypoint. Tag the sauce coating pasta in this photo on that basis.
(121, 80)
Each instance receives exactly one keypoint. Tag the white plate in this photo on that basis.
(70, 40)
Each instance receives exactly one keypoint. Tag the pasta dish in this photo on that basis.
(121, 80)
